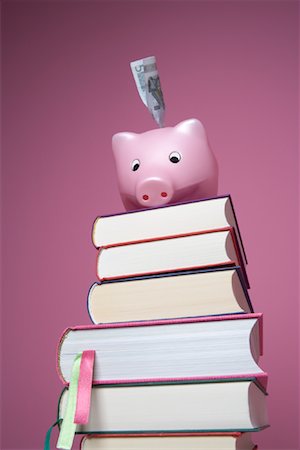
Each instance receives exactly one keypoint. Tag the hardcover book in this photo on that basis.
(163, 441)
(194, 251)
(223, 406)
(180, 294)
(190, 348)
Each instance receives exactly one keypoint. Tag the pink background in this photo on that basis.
(67, 88)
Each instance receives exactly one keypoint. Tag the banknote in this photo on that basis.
(147, 80)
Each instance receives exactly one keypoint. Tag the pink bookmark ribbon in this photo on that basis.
(84, 389)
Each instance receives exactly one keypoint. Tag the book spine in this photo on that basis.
(58, 355)
(239, 256)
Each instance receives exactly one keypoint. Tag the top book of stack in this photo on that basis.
(167, 221)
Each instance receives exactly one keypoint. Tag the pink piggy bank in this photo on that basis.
(166, 165)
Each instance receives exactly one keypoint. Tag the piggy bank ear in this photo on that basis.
(121, 140)
(190, 127)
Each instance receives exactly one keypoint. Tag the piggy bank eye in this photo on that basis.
(174, 157)
(135, 165)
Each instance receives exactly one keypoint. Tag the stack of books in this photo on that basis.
(175, 340)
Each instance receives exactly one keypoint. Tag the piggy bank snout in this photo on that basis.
(154, 192)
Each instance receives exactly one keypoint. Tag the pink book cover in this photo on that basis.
(261, 377)
(238, 261)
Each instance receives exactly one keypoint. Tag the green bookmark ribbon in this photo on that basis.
(48, 435)
(68, 427)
